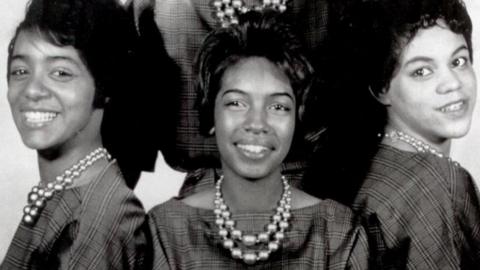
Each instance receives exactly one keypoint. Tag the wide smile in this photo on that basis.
(455, 108)
(38, 119)
(253, 151)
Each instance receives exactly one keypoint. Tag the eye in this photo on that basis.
(62, 75)
(18, 73)
(280, 107)
(460, 62)
(422, 72)
(235, 104)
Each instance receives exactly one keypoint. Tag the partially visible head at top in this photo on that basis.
(253, 80)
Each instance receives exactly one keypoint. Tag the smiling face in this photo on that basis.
(51, 92)
(254, 119)
(433, 92)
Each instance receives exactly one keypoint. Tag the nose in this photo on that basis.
(35, 89)
(450, 81)
(256, 121)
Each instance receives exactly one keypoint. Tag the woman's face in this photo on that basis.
(254, 118)
(51, 93)
(433, 93)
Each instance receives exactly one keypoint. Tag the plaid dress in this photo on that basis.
(99, 225)
(322, 236)
(428, 209)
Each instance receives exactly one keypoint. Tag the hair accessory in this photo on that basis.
(249, 247)
(40, 194)
(419, 145)
(227, 11)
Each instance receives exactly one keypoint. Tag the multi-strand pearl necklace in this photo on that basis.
(417, 144)
(40, 194)
(255, 247)
(227, 11)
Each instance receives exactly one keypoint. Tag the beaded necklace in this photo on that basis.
(40, 194)
(417, 144)
(227, 11)
(255, 247)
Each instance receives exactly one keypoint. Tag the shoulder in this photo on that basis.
(301, 199)
(171, 212)
(109, 199)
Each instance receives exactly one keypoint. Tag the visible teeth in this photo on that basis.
(252, 148)
(39, 117)
(454, 107)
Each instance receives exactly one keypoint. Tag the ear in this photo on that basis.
(382, 96)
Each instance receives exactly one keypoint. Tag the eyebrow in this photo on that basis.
(428, 59)
(241, 92)
(50, 59)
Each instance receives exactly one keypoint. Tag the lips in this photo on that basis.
(454, 107)
(38, 118)
(253, 151)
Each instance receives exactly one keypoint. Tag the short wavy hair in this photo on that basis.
(93, 27)
(259, 33)
(384, 27)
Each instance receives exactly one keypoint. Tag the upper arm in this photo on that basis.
(112, 233)
(466, 206)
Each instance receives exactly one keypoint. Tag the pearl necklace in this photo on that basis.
(256, 247)
(40, 194)
(227, 11)
(419, 145)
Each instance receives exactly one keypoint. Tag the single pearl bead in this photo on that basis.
(272, 246)
(283, 225)
(236, 253)
(263, 237)
(236, 234)
(32, 197)
(279, 236)
(230, 223)
(271, 228)
(250, 258)
(219, 221)
(228, 244)
(26, 209)
(249, 240)
(58, 187)
(28, 219)
(263, 255)
(223, 232)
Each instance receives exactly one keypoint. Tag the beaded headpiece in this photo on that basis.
(227, 11)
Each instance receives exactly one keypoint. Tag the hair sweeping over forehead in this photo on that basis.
(261, 34)
(93, 27)
(382, 29)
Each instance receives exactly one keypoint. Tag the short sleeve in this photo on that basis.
(467, 216)
(112, 232)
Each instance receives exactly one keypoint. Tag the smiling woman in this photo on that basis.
(414, 89)
(81, 214)
(253, 83)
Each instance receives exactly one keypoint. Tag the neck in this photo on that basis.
(54, 162)
(442, 146)
(242, 194)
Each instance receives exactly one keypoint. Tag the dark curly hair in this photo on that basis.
(382, 28)
(259, 33)
(93, 27)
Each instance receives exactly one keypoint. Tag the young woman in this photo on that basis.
(253, 82)
(413, 60)
(62, 63)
